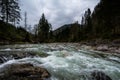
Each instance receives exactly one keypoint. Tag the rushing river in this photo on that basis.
(69, 61)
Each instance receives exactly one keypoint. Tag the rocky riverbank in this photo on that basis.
(24, 71)
(10, 55)
(102, 45)
(30, 62)
(21, 71)
(28, 71)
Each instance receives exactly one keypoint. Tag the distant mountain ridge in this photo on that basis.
(104, 23)
(60, 29)
(67, 33)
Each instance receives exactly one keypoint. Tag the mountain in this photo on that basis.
(67, 33)
(60, 29)
(103, 23)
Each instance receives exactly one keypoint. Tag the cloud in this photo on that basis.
(58, 12)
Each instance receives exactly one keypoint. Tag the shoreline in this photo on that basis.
(97, 45)
(104, 46)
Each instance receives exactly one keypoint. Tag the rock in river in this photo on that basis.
(24, 71)
(10, 55)
(99, 75)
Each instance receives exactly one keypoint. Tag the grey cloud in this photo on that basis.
(58, 12)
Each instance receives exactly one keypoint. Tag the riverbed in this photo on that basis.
(67, 61)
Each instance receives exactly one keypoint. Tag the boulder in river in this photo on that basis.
(102, 48)
(99, 75)
(10, 55)
(24, 71)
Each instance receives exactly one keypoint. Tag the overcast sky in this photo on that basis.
(58, 12)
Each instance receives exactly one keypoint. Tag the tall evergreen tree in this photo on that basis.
(83, 21)
(43, 29)
(35, 32)
(10, 10)
(86, 24)
(88, 21)
(25, 20)
(106, 19)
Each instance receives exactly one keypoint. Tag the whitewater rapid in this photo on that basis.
(69, 61)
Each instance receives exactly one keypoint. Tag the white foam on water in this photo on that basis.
(31, 49)
(71, 63)
(8, 49)
(7, 63)
(79, 63)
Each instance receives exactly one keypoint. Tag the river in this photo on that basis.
(67, 61)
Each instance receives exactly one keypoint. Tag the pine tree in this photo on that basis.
(10, 10)
(106, 19)
(35, 32)
(43, 29)
(86, 24)
(88, 21)
(26, 20)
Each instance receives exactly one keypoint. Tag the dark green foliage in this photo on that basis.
(21, 31)
(106, 19)
(68, 33)
(10, 11)
(74, 32)
(35, 32)
(86, 24)
(11, 34)
(51, 36)
(25, 36)
(103, 23)
(43, 29)
(62, 34)
(7, 31)
(28, 37)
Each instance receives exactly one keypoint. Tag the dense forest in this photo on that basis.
(102, 23)
(106, 19)
(10, 33)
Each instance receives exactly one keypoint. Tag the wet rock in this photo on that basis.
(2, 59)
(42, 54)
(98, 75)
(102, 48)
(9, 55)
(24, 71)
(117, 41)
(118, 50)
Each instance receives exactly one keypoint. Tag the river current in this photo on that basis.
(67, 61)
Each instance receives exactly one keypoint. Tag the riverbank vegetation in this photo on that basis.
(101, 24)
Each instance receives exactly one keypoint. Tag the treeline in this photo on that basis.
(10, 11)
(67, 33)
(103, 23)
(43, 31)
(12, 34)
(106, 19)
(9, 18)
